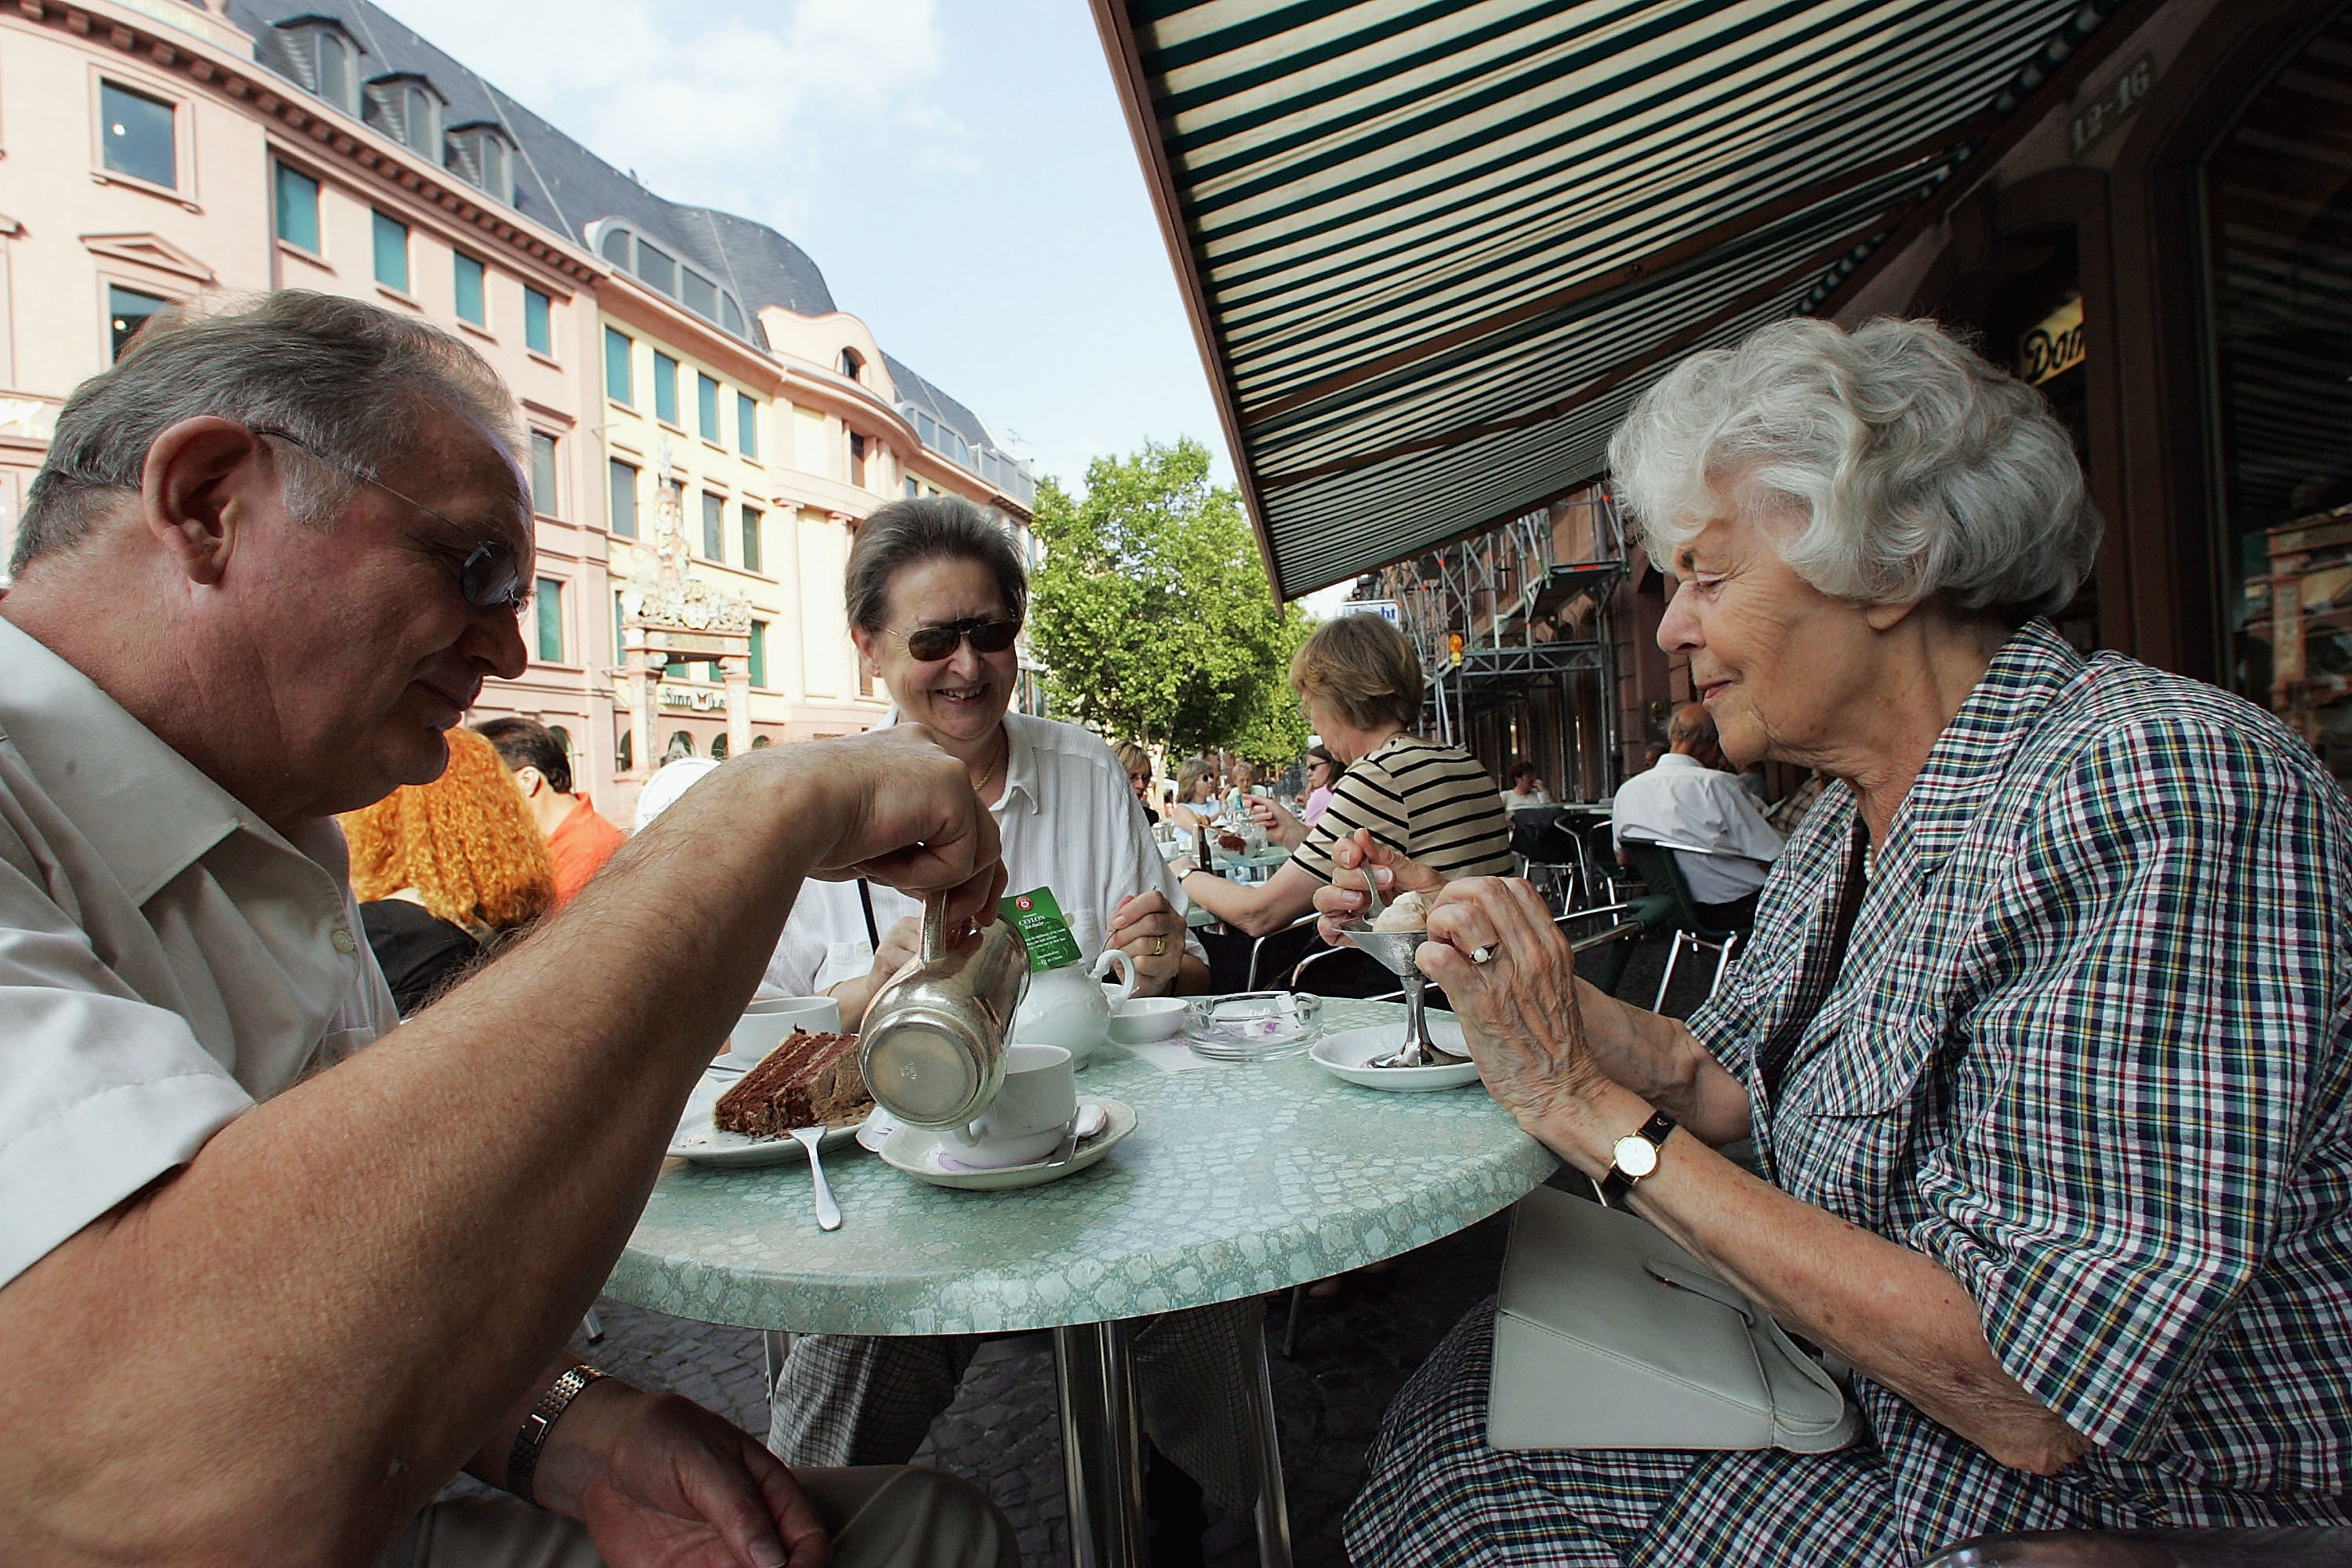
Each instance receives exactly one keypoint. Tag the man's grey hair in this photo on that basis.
(1917, 471)
(1691, 725)
(347, 380)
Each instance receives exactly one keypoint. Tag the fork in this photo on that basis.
(828, 1213)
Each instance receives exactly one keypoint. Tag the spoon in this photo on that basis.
(828, 1213)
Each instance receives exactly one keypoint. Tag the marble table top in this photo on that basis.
(1238, 1179)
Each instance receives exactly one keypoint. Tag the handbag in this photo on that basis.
(1610, 1335)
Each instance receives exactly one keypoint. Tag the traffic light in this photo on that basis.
(1453, 645)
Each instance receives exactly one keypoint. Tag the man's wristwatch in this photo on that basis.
(1632, 1157)
(523, 1460)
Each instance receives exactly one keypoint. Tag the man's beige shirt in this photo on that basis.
(167, 960)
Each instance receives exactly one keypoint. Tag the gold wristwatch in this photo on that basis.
(1632, 1157)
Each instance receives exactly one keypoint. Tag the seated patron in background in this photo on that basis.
(1196, 795)
(1138, 763)
(272, 1269)
(935, 595)
(1323, 771)
(1360, 682)
(578, 839)
(444, 871)
(1525, 789)
(1687, 798)
(2042, 1041)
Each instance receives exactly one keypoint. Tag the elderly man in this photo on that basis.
(263, 1292)
(579, 840)
(1687, 799)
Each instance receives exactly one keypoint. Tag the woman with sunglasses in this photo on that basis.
(936, 593)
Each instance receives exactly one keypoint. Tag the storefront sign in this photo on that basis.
(696, 699)
(2112, 107)
(2055, 346)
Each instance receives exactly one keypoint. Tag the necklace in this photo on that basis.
(1003, 755)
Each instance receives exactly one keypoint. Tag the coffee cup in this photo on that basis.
(767, 1023)
(1024, 1121)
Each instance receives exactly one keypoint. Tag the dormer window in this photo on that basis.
(324, 59)
(658, 268)
(408, 110)
(852, 362)
(483, 157)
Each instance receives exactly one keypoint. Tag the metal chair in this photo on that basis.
(1660, 872)
(1313, 945)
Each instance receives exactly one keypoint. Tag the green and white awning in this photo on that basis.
(1434, 250)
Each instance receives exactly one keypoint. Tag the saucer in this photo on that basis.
(916, 1150)
(1344, 1054)
(699, 1139)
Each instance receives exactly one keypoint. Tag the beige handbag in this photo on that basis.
(1609, 1335)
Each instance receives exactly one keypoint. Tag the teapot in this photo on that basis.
(1070, 1007)
(932, 1048)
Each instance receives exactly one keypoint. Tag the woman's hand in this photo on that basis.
(1281, 827)
(1148, 929)
(1518, 1009)
(1353, 859)
(901, 945)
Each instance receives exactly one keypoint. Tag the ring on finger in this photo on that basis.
(1482, 954)
(1158, 947)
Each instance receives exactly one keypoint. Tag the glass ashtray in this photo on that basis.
(1253, 1025)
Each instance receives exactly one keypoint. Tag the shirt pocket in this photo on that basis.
(1843, 1136)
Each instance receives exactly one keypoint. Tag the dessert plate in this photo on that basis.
(699, 1139)
(916, 1150)
(1344, 1054)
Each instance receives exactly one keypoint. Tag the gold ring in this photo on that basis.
(1158, 947)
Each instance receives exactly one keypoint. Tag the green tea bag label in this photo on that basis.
(1039, 921)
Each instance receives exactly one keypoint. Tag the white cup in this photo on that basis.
(767, 1024)
(1024, 1121)
(1141, 1020)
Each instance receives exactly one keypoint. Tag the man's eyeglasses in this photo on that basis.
(489, 577)
(987, 634)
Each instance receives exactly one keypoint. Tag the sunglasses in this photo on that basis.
(987, 634)
(489, 577)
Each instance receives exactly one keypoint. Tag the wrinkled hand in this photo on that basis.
(1148, 929)
(902, 944)
(1353, 859)
(660, 1482)
(1518, 1009)
(1281, 827)
(903, 813)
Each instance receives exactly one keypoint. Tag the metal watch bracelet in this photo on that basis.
(531, 1437)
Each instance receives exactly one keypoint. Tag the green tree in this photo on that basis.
(1151, 610)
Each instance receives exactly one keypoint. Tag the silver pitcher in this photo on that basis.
(932, 1048)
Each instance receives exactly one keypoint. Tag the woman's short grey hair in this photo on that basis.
(932, 528)
(346, 379)
(1920, 470)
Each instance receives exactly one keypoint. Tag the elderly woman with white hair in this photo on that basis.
(2043, 1040)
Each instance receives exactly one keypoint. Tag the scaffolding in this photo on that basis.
(1524, 608)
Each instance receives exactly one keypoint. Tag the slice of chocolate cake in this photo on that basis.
(809, 1080)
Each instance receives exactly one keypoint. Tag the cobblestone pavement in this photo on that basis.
(1003, 1433)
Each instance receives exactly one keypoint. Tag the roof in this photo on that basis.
(1433, 251)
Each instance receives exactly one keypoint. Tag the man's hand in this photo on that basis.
(1151, 933)
(1355, 858)
(660, 1482)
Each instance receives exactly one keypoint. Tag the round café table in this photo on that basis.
(1238, 1179)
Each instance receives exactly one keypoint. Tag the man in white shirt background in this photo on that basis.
(1686, 799)
(263, 1291)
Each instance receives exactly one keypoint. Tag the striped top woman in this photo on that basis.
(1362, 686)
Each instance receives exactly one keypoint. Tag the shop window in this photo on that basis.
(2278, 197)
(681, 744)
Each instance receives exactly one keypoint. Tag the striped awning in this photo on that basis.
(1434, 250)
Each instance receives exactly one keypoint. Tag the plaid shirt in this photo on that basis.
(2089, 1050)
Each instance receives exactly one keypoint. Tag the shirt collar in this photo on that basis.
(2032, 667)
(148, 811)
(1019, 760)
(1680, 761)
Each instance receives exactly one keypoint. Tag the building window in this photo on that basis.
(658, 267)
(543, 497)
(392, 253)
(759, 659)
(298, 209)
(714, 527)
(747, 425)
(127, 310)
(538, 325)
(549, 597)
(335, 69)
(471, 304)
(618, 381)
(857, 460)
(665, 388)
(699, 294)
(480, 156)
(852, 362)
(751, 520)
(138, 135)
(913, 490)
(408, 110)
(625, 498)
(620, 645)
(706, 399)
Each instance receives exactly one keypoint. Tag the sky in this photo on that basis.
(960, 169)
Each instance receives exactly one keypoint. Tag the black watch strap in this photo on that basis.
(1613, 1186)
